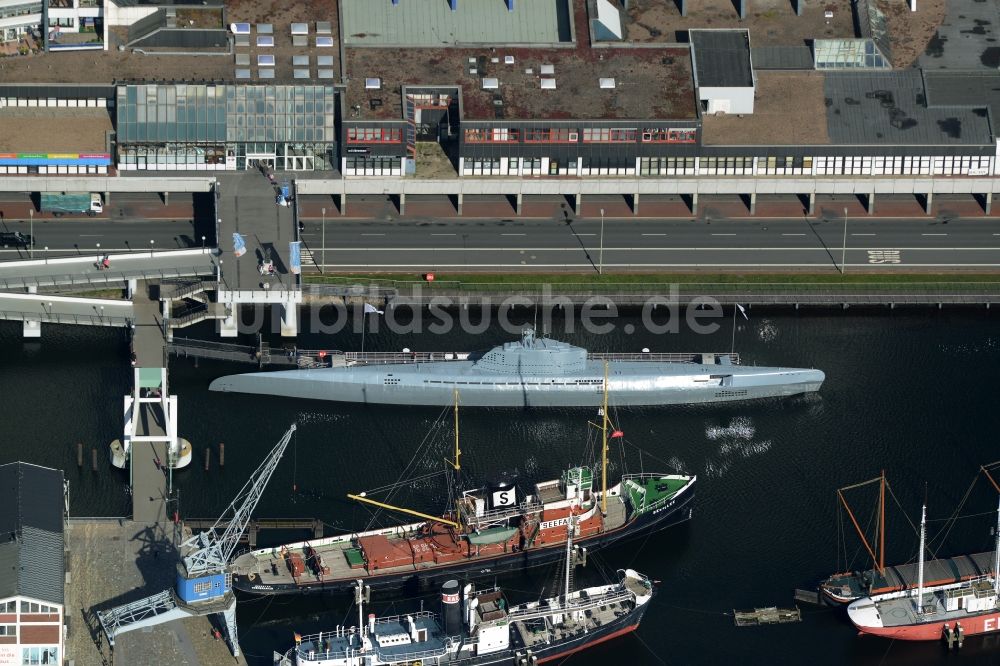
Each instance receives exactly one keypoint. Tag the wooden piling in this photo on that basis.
(208, 458)
(93, 458)
(79, 454)
(222, 454)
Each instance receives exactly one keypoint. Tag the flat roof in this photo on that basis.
(789, 110)
(54, 130)
(721, 58)
(649, 83)
(432, 23)
(891, 108)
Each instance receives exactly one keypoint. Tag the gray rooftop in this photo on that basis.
(782, 57)
(721, 58)
(891, 108)
(968, 89)
(31, 532)
(432, 23)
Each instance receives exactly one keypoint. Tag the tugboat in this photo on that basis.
(532, 372)
(485, 532)
(478, 627)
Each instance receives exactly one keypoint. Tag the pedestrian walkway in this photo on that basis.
(84, 269)
(52, 309)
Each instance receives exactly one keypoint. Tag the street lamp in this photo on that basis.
(322, 251)
(151, 244)
(600, 265)
(31, 232)
(46, 252)
(843, 252)
(202, 243)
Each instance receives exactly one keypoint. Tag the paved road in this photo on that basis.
(90, 235)
(654, 244)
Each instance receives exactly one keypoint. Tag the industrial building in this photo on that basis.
(32, 613)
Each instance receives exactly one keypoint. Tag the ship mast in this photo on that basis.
(570, 529)
(996, 556)
(604, 446)
(920, 565)
(881, 526)
(456, 464)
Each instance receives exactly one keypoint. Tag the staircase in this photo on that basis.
(411, 127)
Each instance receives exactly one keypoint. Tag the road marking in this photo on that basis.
(862, 234)
(648, 249)
(884, 257)
(513, 234)
(933, 234)
(654, 234)
(91, 235)
(793, 234)
(443, 234)
(365, 234)
(723, 234)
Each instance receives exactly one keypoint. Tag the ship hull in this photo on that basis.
(415, 581)
(973, 625)
(404, 385)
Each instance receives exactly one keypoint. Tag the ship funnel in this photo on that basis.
(451, 611)
(502, 493)
(371, 623)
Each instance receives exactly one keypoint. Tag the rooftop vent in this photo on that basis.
(265, 73)
(240, 28)
(300, 28)
(265, 61)
(373, 84)
(265, 29)
(491, 83)
(548, 69)
(300, 61)
(548, 84)
(265, 41)
(606, 84)
(508, 60)
(324, 42)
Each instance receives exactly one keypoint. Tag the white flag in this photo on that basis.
(743, 312)
(369, 309)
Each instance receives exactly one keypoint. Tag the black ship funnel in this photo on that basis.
(451, 610)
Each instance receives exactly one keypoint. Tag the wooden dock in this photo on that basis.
(769, 615)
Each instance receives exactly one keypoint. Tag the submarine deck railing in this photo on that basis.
(315, 358)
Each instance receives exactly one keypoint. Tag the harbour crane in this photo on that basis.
(204, 583)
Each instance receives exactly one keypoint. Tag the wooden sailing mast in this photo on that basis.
(604, 446)
(879, 557)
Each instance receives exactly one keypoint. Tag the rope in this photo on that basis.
(649, 649)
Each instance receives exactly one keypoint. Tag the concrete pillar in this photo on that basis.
(343, 203)
(168, 331)
(107, 199)
(988, 202)
(753, 203)
(743, 9)
(812, 203)
(579, 202)
(684, 8)
(871, 203)
(166, 198)
(402, 204)
(929, 203)
(635, 203)
(228, 327)
(32, 328)
(520, 203)
(458, 203)
(798, 7)
(133, 284)
(289, 319)
(694, 203)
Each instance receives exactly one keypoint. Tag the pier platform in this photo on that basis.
(82, 270)
(115, 561)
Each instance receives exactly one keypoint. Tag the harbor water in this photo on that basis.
(912, 392)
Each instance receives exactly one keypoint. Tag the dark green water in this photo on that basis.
(911, 392)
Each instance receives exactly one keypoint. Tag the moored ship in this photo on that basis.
(532, 372)
(485, 532)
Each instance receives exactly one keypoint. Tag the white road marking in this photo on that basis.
(443, 234)
(365, 234)
(513, 234)
(650, 249)
(933, 234)
(654, 234)
(862, 234)
(723, 234)
(91, 235)
(793, 234)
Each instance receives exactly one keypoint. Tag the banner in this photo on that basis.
(239, 247)
(295, 257)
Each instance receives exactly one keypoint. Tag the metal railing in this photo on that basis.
(177, 289)
(107, 277)
(66, 318)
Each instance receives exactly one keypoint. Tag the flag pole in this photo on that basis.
(364, 320)
(732, 347)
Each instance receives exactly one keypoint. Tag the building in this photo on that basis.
(32, 565)
(723, 72)
(18, 17)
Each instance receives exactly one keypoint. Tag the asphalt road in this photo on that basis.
(89, 235)
(631, 244)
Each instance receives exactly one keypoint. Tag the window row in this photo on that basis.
(372, 166)
(29, 607)
(374, 135)
(573, 135)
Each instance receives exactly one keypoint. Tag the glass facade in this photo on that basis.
(192, 124)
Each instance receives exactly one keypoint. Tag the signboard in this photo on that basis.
(239, 246)
(295, 257)
(979, 172)
(55, 159)
(9, 656)
(358, 151)
(506, 497)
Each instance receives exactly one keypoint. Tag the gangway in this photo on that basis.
(204, 584)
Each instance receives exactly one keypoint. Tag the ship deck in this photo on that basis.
(902, 611)
(269, 567)
(542, 631)
(903, 576)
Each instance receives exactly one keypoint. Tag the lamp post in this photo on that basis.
(600, 264)
(46, 253)
(322, 252)
(843, 252)
(152, 243)
(202, 243)
(31, 232)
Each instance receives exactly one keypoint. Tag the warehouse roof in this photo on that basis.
(54, 129)
(31, 532)
(721, 58)
(891, 108)
(965, 89)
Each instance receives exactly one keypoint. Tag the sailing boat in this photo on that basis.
(478, 627)
(485, 532)
(931, 612)
(841, 589)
